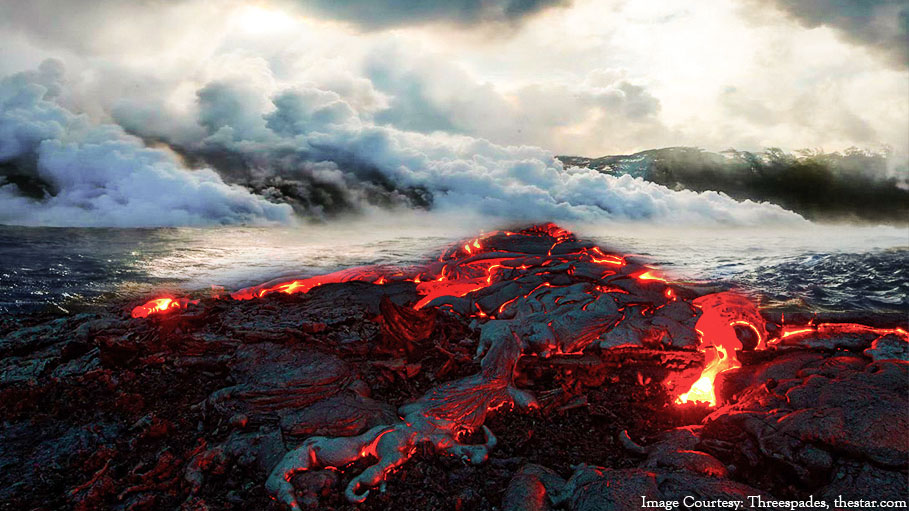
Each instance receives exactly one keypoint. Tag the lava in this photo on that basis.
(536, 292)
(365, 274)
(469, 276)
(721, 312)
(159, 305)
(480, 263)
(649, 275)
(832, 329)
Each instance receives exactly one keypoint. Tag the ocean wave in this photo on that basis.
(875, 282)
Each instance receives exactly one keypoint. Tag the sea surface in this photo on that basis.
(827, 268)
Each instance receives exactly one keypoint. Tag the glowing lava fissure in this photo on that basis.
(723, 312)
(535, 292)
(463, 269)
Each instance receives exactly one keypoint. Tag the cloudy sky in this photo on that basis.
(226, 82)
(588, 77)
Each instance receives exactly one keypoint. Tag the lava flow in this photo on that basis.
(478, 263)
(538, 292)
(720, 314)
(159, 305)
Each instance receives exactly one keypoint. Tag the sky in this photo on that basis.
(589, 77)
(410, 94)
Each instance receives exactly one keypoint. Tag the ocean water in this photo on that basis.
(826, 268)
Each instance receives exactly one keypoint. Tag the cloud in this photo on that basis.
(375, 14)
(595, 77)
(880, 25)
(426, 94)
(100, 26)
(59, 168)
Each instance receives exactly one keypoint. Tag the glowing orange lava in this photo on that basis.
(721, 313)
(367, 274)
(702, 391)
(159, 305)
(649, 275)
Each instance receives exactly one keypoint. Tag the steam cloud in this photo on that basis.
(306, 146)
(84, 174)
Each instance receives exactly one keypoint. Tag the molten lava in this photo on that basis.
(159, 305)
(649, 275)
(365, 274)
(719, 341)
(470, 270)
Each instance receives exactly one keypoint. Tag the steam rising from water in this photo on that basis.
(95, 174)
(249, 155)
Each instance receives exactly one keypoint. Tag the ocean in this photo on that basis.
(823, 268)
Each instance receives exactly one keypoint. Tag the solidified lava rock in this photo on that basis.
(531, 357)
(532, 488)
(812, 415)
(595, 489)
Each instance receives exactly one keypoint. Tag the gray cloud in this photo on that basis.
(90, 26)
(882, 25)
(426, 94)
(372, 14)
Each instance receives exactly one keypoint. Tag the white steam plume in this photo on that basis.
(310, 146)
(97, 175)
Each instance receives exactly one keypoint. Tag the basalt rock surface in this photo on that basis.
(520, 371)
